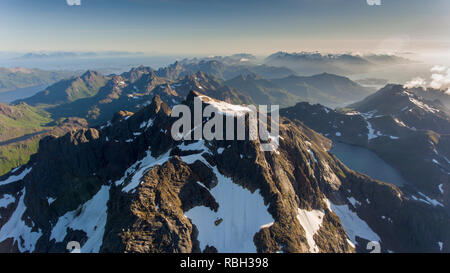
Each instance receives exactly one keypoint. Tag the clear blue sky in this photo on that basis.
(224, 26)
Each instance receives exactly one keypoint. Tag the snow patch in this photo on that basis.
(372, 134)
(90, 218)
(15, 178)
(431, 201)
(146, 124)
(423, 106)
(6, 200)
(144, 164)
(243, 214)
(311, 222)
(399, 122)
(266, 225)
(18, 230)
(312, 155)
(195, 146)
(353, 225)
(354, 201)
(352, 113)
(225, 108)
(50, 200)
(427, 200)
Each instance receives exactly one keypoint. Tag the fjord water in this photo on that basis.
(365, 161)
(21, 93)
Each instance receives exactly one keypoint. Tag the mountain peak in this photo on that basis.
(158, 105)
(90, 73)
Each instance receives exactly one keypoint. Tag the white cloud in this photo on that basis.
(73, 2)
(438, 68)
(374, 2)
(440, 79)
(416, 82)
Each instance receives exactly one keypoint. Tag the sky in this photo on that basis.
(217, 27)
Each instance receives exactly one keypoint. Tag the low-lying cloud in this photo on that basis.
(374, 2)
(73, 2)
(440, 79)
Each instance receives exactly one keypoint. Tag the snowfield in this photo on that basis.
(353, 225)
(311, 222)
(15, 178)
(224, 108)
(6, 200)
(90, 218)
(139, 168)
(243, 215)
(18, 230)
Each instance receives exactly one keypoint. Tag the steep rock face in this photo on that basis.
(127, 186)
(156, 221)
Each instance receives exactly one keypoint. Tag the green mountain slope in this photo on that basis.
(20, 126)
(20, 120)
(84, 86)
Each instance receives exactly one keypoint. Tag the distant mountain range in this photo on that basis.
(342, 64)
(15, 78)
(97, 97)
(222, 70)
(327, 89)
(68, 54)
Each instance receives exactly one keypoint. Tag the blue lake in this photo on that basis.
(365, 161)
